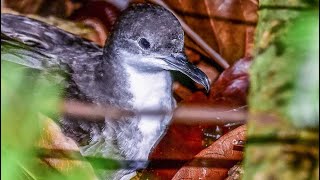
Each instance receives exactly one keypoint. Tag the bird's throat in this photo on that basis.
(151, 90)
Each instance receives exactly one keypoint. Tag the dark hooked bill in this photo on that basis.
(179, 62)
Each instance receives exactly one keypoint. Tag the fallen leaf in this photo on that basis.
(52, 138)
(222, 157)
(232, 86)
(227, 26)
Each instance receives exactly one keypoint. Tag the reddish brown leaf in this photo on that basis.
(227, 26)
(195, 15)
(221, 153)
(180, 142)
(231, 88)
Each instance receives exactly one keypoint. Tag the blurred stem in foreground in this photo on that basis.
(284, 93)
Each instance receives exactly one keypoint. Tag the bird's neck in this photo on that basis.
(146, 88)
(150, 91)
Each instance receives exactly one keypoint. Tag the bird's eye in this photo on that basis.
(144, 43)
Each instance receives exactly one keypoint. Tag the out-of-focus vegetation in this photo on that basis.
(283, 131)
(24, 96)
(285, 76)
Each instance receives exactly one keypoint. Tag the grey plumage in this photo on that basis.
(145, 43)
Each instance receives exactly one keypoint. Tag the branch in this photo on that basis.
(184, 114)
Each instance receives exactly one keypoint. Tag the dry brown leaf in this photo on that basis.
(223, 154)
(52, 138)
(232, 86)
(227, 26)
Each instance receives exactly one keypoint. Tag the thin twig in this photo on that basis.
(209, 115)
(196, 38)
(184, 114)
(109, 163)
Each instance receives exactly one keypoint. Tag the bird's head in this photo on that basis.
(151, 39)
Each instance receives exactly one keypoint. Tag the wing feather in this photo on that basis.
(47, 40)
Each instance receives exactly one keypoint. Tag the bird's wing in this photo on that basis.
(15, 52)
(19, 53)
(43, 44)
(40, 46)
(52, 52)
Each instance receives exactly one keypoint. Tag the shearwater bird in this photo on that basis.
(130, 72)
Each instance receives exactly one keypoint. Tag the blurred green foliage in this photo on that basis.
(285, 75)
(303, 38)
(283, 100)
(24, 95)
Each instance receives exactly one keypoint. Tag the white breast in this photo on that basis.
(151, 91)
